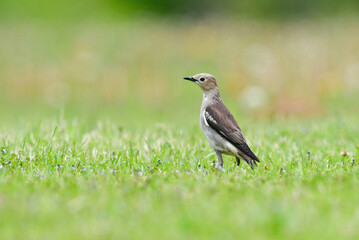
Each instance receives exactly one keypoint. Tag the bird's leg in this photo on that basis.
(238, 161)
(220, 160)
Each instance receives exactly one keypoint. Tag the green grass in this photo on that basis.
(99, 134)
(68, 180)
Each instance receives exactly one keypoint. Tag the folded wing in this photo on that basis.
(222, 121)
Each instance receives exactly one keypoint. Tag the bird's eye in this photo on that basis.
(202, 79)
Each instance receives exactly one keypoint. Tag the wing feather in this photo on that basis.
(222, 121)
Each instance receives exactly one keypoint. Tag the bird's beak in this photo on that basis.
(190, 79)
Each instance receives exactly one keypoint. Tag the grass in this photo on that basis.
(99, 137)
(64, 179)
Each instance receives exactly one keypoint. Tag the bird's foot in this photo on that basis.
(238, 161)
(220, 168)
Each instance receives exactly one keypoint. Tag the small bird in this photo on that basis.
(218, 124)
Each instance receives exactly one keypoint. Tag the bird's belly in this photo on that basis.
(217, 142)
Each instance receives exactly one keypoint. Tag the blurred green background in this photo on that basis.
(87, 9)
(125, 60)
(99, 133)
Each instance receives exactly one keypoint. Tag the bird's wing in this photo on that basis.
(222, 121)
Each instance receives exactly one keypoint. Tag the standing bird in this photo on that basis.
(218, 124)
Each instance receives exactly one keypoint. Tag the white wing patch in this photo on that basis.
(207, 115)
(204, 118)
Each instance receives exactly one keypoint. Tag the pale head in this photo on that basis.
(204, 80)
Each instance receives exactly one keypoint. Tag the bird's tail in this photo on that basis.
(249, 157)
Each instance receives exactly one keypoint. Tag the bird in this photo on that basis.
(218, 124)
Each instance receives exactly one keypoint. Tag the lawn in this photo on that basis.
(63, 179)
(100, 137)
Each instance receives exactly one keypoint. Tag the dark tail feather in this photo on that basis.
(251, 160)
(246, 153)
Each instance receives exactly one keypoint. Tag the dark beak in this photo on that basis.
(190, 79)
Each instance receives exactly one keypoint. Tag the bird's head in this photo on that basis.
(204, 80)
